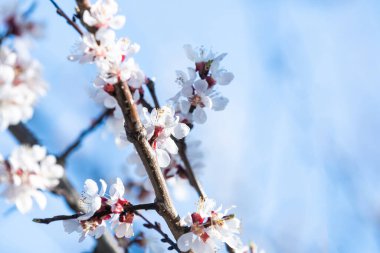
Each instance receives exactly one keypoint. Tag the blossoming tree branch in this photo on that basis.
(159, 135)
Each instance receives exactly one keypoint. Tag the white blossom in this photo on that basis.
(209, 228)
(91, 199)
(160, 124)
(85, 228)
(102, 15)
(200, 54)
(27, 172)
(99, 208)
(198, 86)
(88, 50)
(208, 65)
(199, 239)
(123, 229)
(21, 85)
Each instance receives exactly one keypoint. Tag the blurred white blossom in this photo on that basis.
(27, 172)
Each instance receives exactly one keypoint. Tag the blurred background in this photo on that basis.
(297, 147)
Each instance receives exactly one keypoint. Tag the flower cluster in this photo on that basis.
(198, 86)
(21, 85)
(160, 125)
(113, 58)
(27, 172)
(98, 208)
(209, 227)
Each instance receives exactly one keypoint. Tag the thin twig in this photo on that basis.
(156, 226)
(57, 218)
(129, 208)
(23, 134)
(94, 124)
(190, 172)
(146, 104)
(229, 249)
(68, 20)
(148, 206)
(151, 87)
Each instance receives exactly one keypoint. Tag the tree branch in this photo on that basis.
(156, 226)
(57, 218)
(94, 124)
(23, 134)
(68, 20)
(136, 134)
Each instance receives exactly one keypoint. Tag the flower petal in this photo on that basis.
(88, 19)
(90, 187)
(117, 22)
(184, 106)
(163, 158)
(40, 198)
(219, 103)
(181, 130)
(24, 204)
(225, 78)
(170, 146)
(201, 85)
(103, 187)
(185, 242)
(199, 115)
(71, 225)
(190, 53)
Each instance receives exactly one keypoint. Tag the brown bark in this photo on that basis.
(136, 135)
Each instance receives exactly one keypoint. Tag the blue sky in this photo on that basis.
(297, 147)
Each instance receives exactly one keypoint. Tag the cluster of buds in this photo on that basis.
(26, 173)
(98, 208)
(198, 87)
(209, 228)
